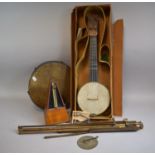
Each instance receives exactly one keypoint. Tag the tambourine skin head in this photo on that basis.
(39, 82)
(94, 98)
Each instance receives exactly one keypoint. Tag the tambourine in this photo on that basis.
(38, 88)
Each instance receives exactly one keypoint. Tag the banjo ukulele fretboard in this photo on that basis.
(93, 58)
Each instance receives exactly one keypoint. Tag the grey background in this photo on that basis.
(32, 33)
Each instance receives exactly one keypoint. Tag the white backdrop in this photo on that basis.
(32, 33)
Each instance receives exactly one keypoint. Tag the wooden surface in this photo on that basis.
(117, 66)
(56, 115)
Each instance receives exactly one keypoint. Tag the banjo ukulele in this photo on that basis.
(93, 97)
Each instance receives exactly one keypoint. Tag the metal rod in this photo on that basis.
(64, 135)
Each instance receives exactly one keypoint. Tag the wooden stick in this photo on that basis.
(94, 127)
